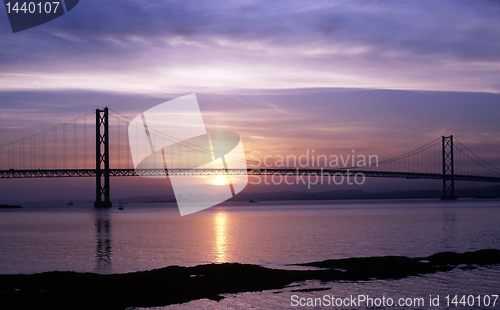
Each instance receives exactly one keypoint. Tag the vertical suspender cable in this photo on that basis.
(85, 142)
(75, 143)
(119, 143)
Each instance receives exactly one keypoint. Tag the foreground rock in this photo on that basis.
(174, 284)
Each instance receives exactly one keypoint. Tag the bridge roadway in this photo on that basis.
(66, 173)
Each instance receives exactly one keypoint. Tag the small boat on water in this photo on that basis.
(252, 201)
(121, 203)
(70, 203)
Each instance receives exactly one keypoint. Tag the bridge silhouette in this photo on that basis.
(49, 154)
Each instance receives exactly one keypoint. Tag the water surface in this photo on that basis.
(273, 234)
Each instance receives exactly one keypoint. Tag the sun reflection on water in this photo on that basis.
(220, 222)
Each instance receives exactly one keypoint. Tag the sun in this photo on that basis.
(220, 181)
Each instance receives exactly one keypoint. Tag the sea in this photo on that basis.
(144, 236)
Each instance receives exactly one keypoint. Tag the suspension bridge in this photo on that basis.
(82, 148)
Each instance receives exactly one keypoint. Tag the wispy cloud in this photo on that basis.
(135, 46)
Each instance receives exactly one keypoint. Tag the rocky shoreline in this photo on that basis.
(175, 284)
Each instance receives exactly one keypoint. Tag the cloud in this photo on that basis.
(146, 47)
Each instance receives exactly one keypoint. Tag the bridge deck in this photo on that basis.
(65, 173)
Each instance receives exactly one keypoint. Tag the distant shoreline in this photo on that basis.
(174, 284)
(10, 206)
(487, 193)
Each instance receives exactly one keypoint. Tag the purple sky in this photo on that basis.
(183, 46)
(380, 77)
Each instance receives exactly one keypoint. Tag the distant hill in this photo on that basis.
(488, 192)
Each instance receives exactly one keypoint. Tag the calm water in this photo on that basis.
(147, 236)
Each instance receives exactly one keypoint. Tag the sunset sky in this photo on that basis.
(381, 77)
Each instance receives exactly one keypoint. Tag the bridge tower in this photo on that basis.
(448, 169)
(102, 159)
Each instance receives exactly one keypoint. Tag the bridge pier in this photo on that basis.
(102, 159)
(448, 169)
